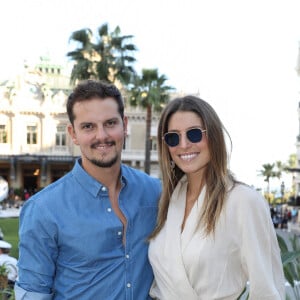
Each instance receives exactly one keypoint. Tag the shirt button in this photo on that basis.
(127, 256)
(119, 232)
(103, 189)
(128, 285)
(109, 209)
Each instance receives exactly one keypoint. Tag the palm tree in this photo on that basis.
(84, 56)
(292, 167)
(268, 172)
(150, 92)
(108, 58)
(116, 55)
(280, 168)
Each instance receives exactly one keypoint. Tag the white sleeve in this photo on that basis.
(260, 251)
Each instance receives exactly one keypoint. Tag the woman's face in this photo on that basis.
(191, 158)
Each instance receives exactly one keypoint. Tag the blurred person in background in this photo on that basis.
(9, 262)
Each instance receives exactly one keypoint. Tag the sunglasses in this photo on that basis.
(194, 135)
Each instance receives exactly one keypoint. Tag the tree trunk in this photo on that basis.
(148, 139)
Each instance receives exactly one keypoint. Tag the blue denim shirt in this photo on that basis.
(71, 240)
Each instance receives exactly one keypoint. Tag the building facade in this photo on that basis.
(35, 148)
(296, 171)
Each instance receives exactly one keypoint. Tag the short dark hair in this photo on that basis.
(89, 89)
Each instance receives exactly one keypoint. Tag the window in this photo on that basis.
(3, 134)
(31, 135)
(60, 139)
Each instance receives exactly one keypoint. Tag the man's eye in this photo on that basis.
(111, 123)
(87, 126)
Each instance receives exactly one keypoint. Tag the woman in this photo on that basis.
(213, 234)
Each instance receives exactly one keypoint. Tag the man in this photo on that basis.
(9, 262)
(85, 235)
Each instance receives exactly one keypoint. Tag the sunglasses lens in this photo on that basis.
(171, 139)
(194, 135)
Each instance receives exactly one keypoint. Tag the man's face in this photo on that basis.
(99, 131)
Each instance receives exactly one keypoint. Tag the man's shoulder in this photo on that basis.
(137, 179)
(132, 173)
(57, 185)
(52, 192)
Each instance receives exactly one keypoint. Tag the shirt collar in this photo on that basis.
(90, 184)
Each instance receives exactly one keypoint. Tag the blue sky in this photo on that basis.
(239, 55)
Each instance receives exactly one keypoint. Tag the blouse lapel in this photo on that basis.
(192, 221)
(173, 241)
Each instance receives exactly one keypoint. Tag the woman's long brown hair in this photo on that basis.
(218, 178)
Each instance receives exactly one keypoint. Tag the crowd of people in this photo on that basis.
(108, 231)
(282, 217)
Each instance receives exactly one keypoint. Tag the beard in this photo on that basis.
(104, 164)
(101, 163)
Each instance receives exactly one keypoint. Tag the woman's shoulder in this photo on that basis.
(241, 187)
(245, 195)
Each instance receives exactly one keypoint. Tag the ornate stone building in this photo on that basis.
(35, 148)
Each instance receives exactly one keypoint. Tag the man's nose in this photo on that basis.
(101, 132)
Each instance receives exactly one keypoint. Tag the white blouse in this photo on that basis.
(192, 266)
